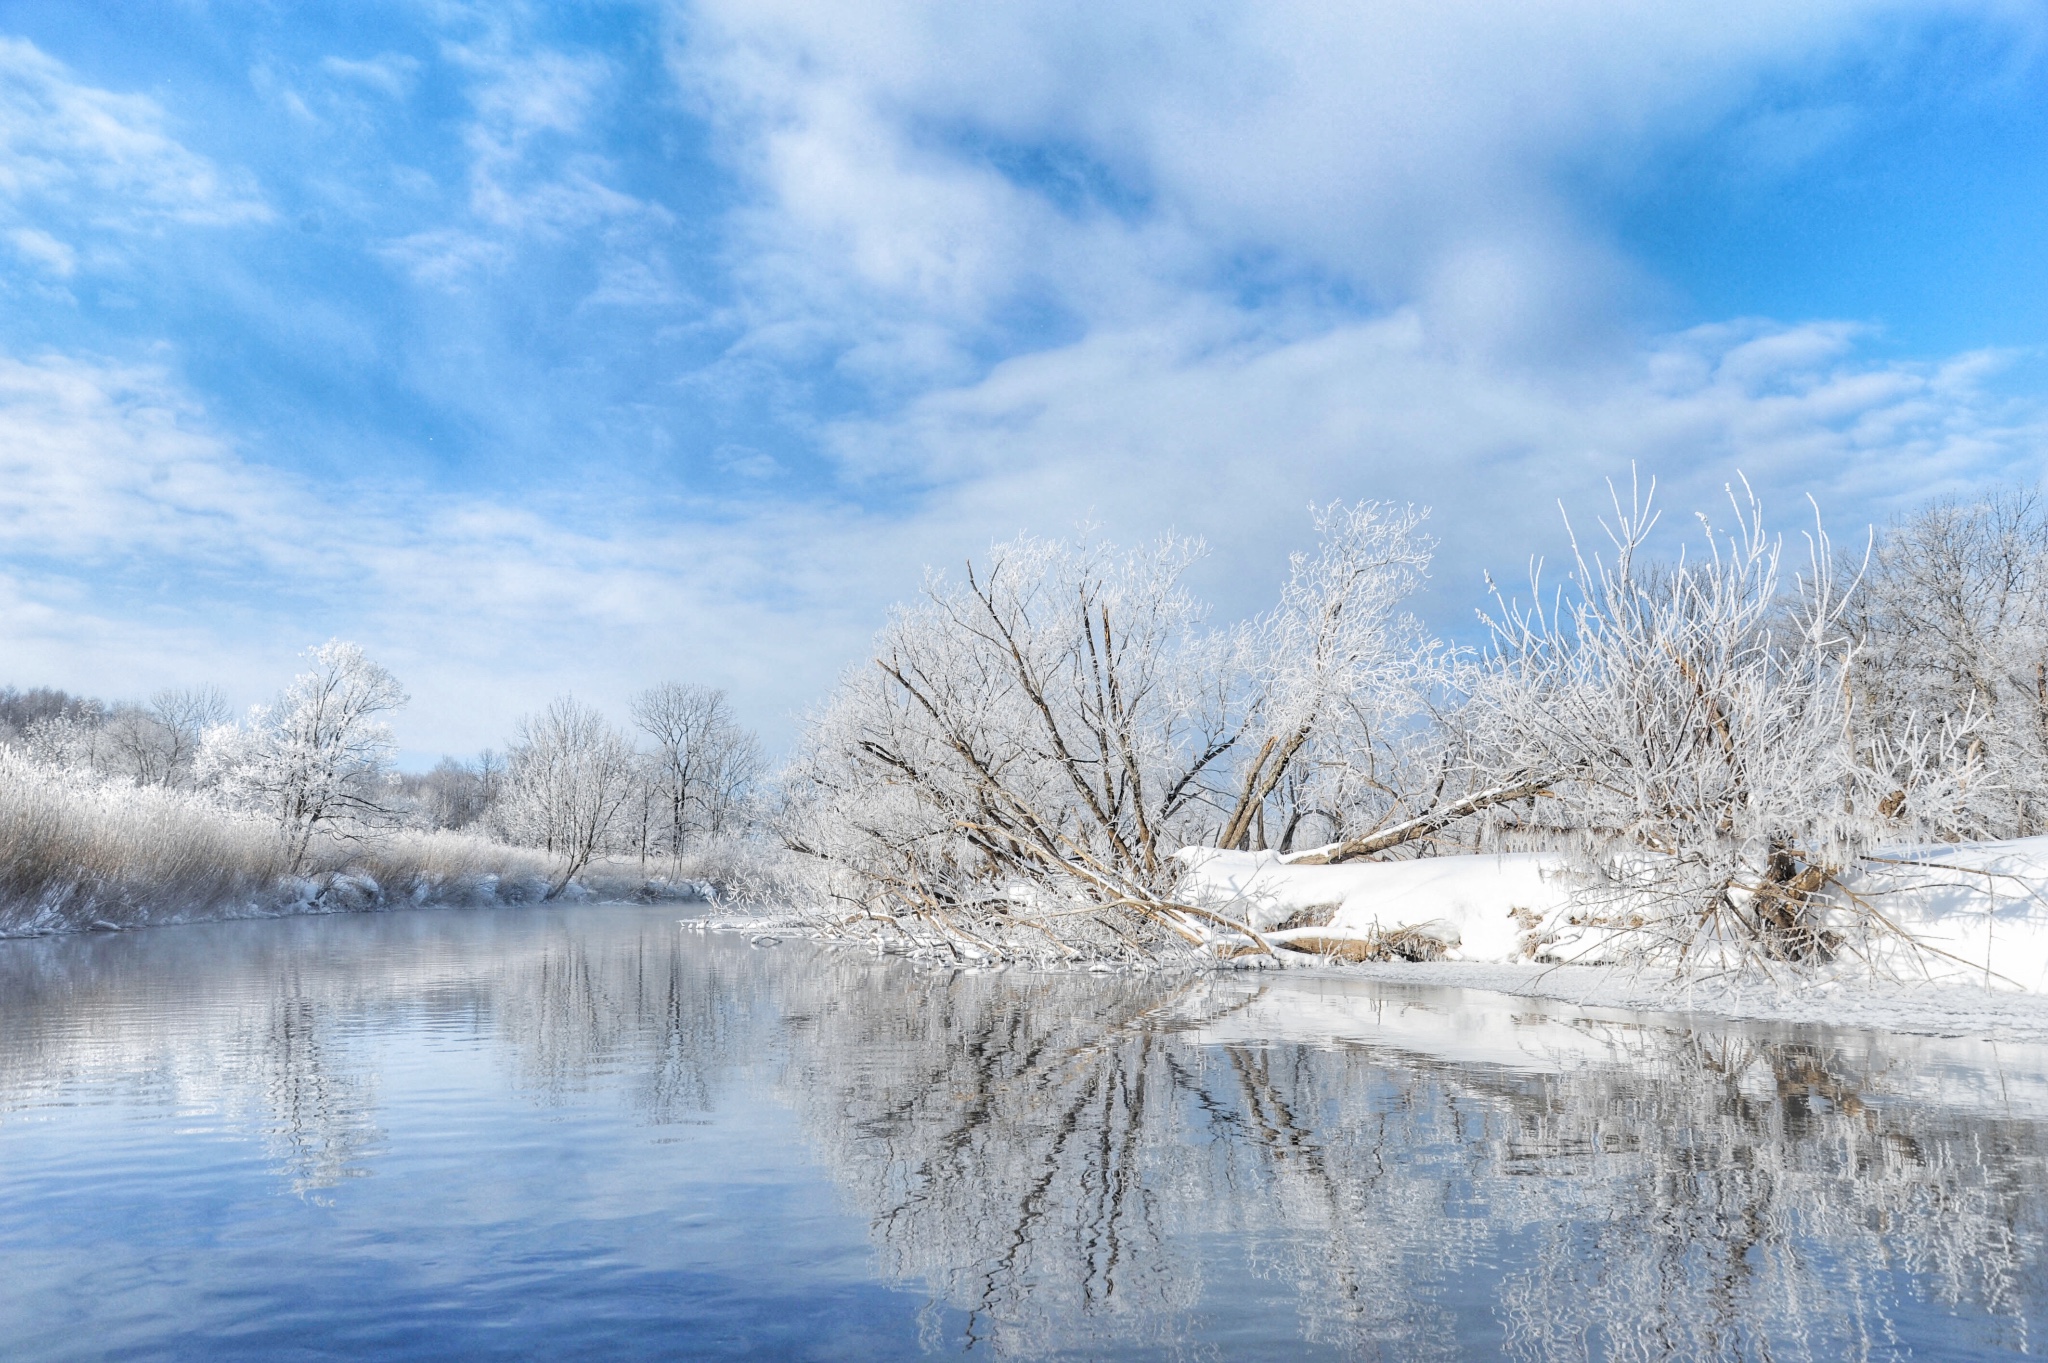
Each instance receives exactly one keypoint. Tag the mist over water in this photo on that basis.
(591, 1132)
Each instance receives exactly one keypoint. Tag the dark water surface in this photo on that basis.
(593, 1133)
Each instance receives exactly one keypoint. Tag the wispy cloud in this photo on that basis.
(115, 486)
(45, 251)
(391, 74)
(100, 157)
(125, 511)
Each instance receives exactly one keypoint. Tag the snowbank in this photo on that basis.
(1484, 908)
(1978, 911)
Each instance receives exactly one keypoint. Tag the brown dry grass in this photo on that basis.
(76, 853)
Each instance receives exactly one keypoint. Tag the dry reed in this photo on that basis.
(77, 853)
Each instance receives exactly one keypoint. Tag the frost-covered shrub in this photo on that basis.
(1695, 725)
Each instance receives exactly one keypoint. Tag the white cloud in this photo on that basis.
(391, 74)
(1442, 318)
(447, 256)
(1206, 423)
(138, 544)
(44, 251)
(103, 459)
(917, 166)
(535, 174)
(100, 156)
(530, 166)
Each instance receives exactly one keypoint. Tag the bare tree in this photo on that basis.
(571, 777)
(1952, 626)
(317, 759)
(455, 794)
(183, 715)
(703, 766)
(158, 744)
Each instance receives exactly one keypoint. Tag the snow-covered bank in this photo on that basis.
(79, 854)
(1483, 908)
(1976, 915)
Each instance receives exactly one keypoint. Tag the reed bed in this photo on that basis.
(79, 853)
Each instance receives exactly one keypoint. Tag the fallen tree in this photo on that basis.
(1030, 745)
(1022, 766)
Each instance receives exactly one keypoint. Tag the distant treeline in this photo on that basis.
(106, 805)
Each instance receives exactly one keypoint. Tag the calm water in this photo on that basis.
(592, 1133)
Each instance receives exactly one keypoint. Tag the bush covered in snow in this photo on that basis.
(1710, 748)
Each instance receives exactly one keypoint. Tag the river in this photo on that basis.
(594, 1132)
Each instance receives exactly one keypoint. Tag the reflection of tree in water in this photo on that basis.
(1000, 1151)
(254, 1035)
(1746, 1199)
(1056, 1163)
(657, 1008)
(319, 1101)
(1116, 1165)
(268, 1026)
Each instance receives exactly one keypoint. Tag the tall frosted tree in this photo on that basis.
(702, 762)
(317, 759)
(571, 778)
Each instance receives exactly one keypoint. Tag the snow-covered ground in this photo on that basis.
(1978, 912)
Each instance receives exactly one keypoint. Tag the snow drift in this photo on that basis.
(1965, 913)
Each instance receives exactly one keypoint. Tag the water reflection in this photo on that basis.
(1062, 1161)
(1181, 1166)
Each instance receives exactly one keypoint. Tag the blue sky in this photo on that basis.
(576, 347)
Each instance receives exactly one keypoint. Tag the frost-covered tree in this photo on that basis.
(20, 709)
(1952, 627)
(1033, 743)
(1040, 735)
(69, 742)
(570, 780)
(1693, 725)
(701, 767)
(1337, 675)
(317, 759)
(158, 744)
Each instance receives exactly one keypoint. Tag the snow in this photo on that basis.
(1475, 896)
(1978, 909)
(1978, 913)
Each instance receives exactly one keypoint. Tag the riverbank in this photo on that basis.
(1958, 913)
(79, 855)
